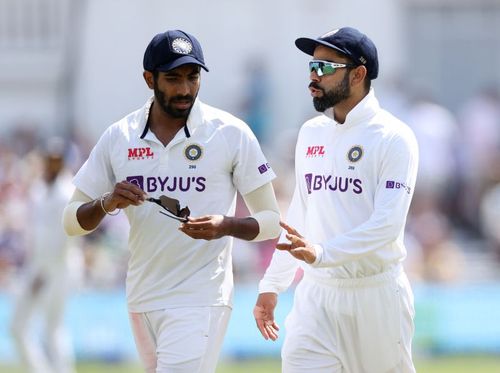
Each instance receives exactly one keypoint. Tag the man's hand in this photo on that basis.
(211, 227)
(264, 315)
(208, 227)
(298, 246)
(123, 195)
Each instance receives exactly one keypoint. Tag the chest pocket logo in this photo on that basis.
(193, 152)
(355, 153)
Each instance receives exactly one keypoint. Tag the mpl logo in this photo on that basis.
(315, 151)
(140, 153)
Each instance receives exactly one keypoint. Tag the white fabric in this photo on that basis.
(166, 267)
(193, 341)
(264, 209)
(360, 325)
(355, 211)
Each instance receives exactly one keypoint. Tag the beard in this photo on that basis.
(166, 103)
(332, 97)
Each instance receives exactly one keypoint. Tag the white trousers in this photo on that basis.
(351, 326)
(180, 340)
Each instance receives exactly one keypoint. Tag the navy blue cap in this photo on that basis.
(171, 49)
(348, 41)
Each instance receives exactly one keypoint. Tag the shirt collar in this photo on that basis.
(193, 121)
(366, 108)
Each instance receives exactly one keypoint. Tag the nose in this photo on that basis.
(183, 88)
(314, 76)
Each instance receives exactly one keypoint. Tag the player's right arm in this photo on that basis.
(83, 214)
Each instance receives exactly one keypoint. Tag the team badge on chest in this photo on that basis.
(355, 153)
(193, 152)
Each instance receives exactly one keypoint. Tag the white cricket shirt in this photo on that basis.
(214, 156)
(354, 184)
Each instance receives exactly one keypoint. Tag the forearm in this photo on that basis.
(90, 215)
(243, 228)
(82, 214)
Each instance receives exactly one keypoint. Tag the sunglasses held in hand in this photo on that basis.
(326, 67)
(173, 207)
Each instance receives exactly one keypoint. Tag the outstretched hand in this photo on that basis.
(263, 313)
(298, 246)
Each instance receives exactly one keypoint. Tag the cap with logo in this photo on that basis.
(171, 49)
(348, 41)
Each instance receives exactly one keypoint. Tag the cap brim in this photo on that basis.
(308, 46)
(184, 60)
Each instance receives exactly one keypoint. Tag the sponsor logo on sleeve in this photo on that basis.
(264, 167)
(391, 184)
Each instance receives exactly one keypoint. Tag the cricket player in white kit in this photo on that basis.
(51, 263)
(179, 280)
(355, 167)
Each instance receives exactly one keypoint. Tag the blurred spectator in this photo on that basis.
(49, 263)
(489, 209)
(437, 135)
(440, 258)
(480, 151)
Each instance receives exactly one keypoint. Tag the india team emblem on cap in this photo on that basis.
(193, 152)
(355, 153)
(181, 45)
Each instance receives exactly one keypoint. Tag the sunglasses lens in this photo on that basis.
(317, 67)
(328, 69)
(321, 68)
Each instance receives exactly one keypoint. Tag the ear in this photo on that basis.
(149, 78)
(358, 75)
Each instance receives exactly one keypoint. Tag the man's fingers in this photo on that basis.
(271, 330)
(261, 325)
(284, 246)
(289, 229)
(132, 188)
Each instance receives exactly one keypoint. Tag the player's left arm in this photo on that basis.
(261, 224)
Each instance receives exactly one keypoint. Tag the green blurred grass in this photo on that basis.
(456, 364)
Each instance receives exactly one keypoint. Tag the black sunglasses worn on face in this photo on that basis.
(173, 207)
(326, 67)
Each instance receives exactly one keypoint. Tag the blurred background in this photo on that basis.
(70, 68)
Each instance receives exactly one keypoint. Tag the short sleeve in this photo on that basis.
(251, 169)
(96, 175)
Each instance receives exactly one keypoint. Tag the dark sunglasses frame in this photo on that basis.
(172, 206)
